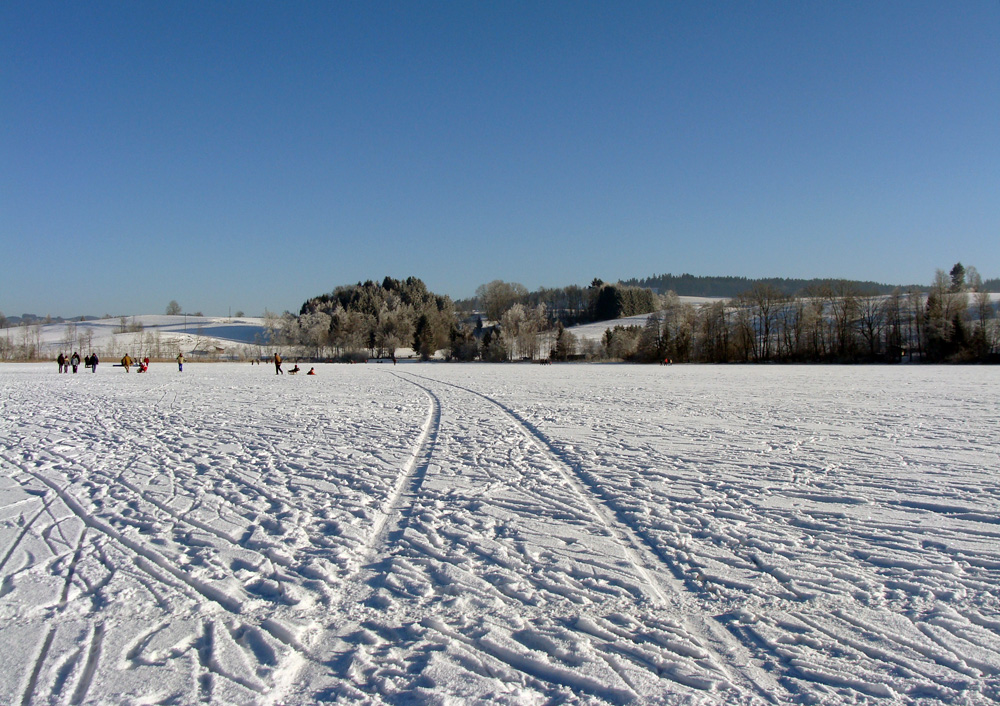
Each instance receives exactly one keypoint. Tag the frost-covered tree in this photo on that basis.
(496, 297)
(394, 330)
(510, 330)
(314, 332)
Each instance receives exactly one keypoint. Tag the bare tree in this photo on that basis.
(761, 304)
(792, 329)
(844, 308)
(893, 310)
(871, 321)
(714, 333)
(914, 322)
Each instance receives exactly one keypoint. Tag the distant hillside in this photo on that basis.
(158, 336)
(686, 285)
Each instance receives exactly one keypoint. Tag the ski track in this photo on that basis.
(500, 534)
(642, 555)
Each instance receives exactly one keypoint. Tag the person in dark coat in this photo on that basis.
(93, 363)
(62, 362)
(75, 361)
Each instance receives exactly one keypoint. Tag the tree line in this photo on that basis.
(954, 320)
(572, 305)
(687, 285)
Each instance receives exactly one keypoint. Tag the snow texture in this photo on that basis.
(503, 534)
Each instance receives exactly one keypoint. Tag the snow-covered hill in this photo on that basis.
(167, 334)
(595, 331)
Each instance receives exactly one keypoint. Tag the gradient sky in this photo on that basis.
(249, 155)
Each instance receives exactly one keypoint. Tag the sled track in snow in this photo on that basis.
(665, 583)
(409, 480)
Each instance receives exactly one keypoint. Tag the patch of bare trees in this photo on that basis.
(954, 321)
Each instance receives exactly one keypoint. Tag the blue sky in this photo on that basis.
(249, 155)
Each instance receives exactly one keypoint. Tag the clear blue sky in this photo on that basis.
(249, 155)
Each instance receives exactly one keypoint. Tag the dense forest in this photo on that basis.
(372, 319)
(686, 285)
(953, 320)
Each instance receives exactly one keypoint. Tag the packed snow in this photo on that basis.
(511, 534)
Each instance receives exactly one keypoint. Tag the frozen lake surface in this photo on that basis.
(513, 534)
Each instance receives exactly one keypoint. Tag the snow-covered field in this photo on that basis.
(514, 534)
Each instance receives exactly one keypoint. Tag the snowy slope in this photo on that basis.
(173, 333)
(435, 533)
(595, 331)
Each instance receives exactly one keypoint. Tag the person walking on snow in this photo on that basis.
(180, 362)
(277, 365)
(93, 363)
(75, 361)
(62, 362)
(126, 362)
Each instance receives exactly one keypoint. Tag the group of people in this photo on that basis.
(143, 364)
(127, 362)
(91, 361)
(74, 362)
(293, 371)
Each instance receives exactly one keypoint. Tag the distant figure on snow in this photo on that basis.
(312, 371)
(180, 362)
(93, 363)
(294, 370)
(75, 361)
(62, 362)
(277, 365)
(126, 362)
